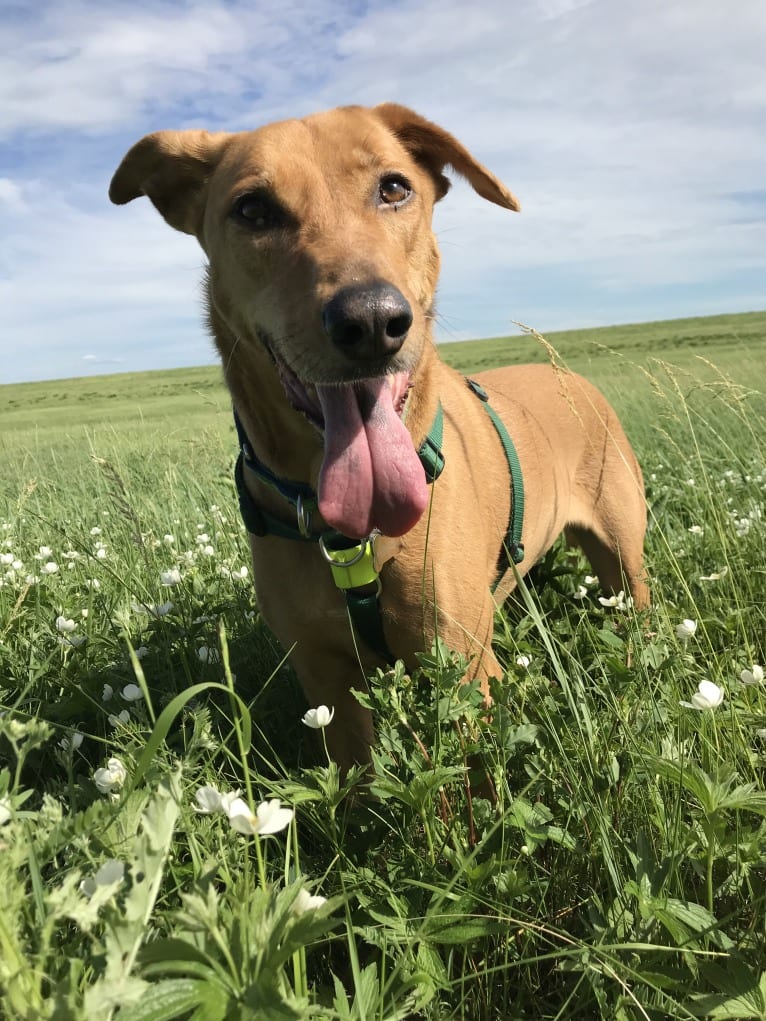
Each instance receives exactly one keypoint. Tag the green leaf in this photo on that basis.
(653, 656)
(610, 639)
(741, 994)
(265, 999)
(721, 1008)
(695, 916)
(455, 928)
(160, 951)
(165, 1000)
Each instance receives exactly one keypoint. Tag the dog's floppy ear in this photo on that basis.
(172, 169)
(435, 148)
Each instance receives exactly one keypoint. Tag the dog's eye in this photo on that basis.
(259, 212)
(393, 190)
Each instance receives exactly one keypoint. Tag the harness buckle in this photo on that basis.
(431, 458)
(517, 552)
(352, 567)
(480, 392)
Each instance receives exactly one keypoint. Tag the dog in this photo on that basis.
(365, 457)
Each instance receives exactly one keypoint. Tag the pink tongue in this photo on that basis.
(371, 476)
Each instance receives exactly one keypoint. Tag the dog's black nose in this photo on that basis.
(367, 321)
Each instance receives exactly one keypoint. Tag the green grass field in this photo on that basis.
(622, 873)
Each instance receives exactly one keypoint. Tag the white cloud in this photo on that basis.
(76, 282)
(71, 65)
(11, 195)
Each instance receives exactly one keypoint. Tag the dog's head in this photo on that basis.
(320, 248)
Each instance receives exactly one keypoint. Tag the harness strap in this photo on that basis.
(513, 546)
(367, 620)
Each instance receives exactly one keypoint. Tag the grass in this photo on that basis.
(622, 874)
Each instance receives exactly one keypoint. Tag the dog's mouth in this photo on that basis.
(371, 476)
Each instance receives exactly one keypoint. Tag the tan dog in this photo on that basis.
(320, 288)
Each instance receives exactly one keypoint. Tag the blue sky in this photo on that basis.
(634, 135)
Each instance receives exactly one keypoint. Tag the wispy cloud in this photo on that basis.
(632, 134)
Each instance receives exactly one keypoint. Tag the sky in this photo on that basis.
(634, 135)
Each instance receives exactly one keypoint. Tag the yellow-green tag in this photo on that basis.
(352, 568)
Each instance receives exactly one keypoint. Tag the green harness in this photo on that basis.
(351, 561)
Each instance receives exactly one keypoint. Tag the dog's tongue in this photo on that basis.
(371, 476)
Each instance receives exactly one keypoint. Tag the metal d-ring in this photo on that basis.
(327, 554)
(304, 518)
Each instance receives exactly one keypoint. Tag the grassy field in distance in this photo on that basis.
(192, 400)
(619, 877)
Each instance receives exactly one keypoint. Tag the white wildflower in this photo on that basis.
(269, 817)
(72, 741)
(618, 602)
(110, 777)
(132, 693)
(209, 800)
(707, 696)
(754, 676)
(715, 575)
(306, 901)
(318, 718)
(686, 629)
